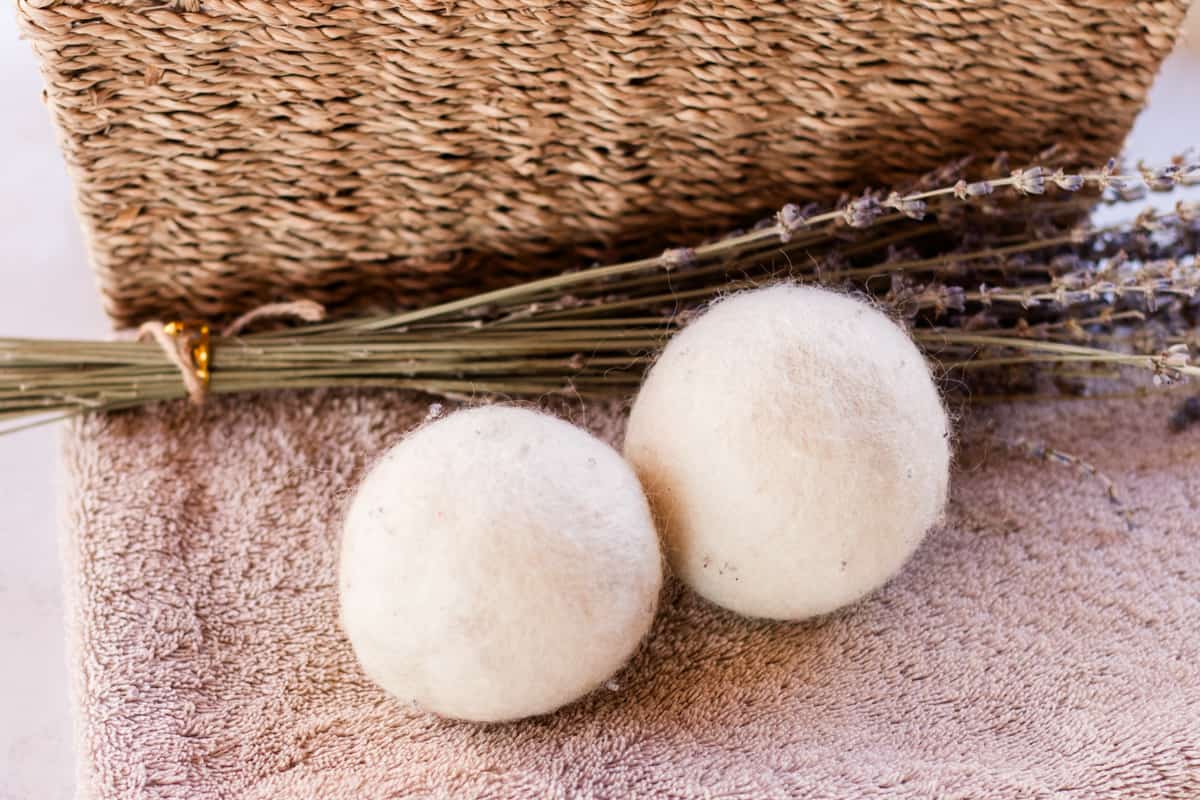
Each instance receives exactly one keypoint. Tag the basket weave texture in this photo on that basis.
(233, 152)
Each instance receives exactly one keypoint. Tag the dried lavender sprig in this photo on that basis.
(1169, 366)
(790, 221)
(1040, 451)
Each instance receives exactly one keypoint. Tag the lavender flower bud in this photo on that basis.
(913, 209)
(1169, 365)
(953, 298)
(969, 190)
(1068, 183)
(790, 219)
(1030, 181)
(862, 212)
(1161, 179)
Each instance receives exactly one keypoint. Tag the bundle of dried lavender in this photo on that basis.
(997, 279)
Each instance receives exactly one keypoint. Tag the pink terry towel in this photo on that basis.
(1035, 647)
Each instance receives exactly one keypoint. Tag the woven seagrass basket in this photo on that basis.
(231, 152)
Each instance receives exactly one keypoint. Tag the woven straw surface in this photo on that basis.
(231, 152)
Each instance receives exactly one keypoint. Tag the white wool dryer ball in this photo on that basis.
(497, 564)
(795, 450)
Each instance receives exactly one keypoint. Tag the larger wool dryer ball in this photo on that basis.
(795, 450)
(496, 564)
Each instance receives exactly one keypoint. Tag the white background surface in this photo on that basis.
(46, 290)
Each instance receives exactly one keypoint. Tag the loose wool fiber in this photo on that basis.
(795, 450)
(497, 564)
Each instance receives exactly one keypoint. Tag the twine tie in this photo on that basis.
(188, 343)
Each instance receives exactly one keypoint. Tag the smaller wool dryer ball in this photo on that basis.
(795, 450)
(496, 564)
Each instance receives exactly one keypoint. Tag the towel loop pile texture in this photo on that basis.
(1034, 647)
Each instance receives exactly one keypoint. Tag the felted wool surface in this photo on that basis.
(1034, 647)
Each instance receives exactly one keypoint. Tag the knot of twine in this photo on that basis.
(188, 346)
